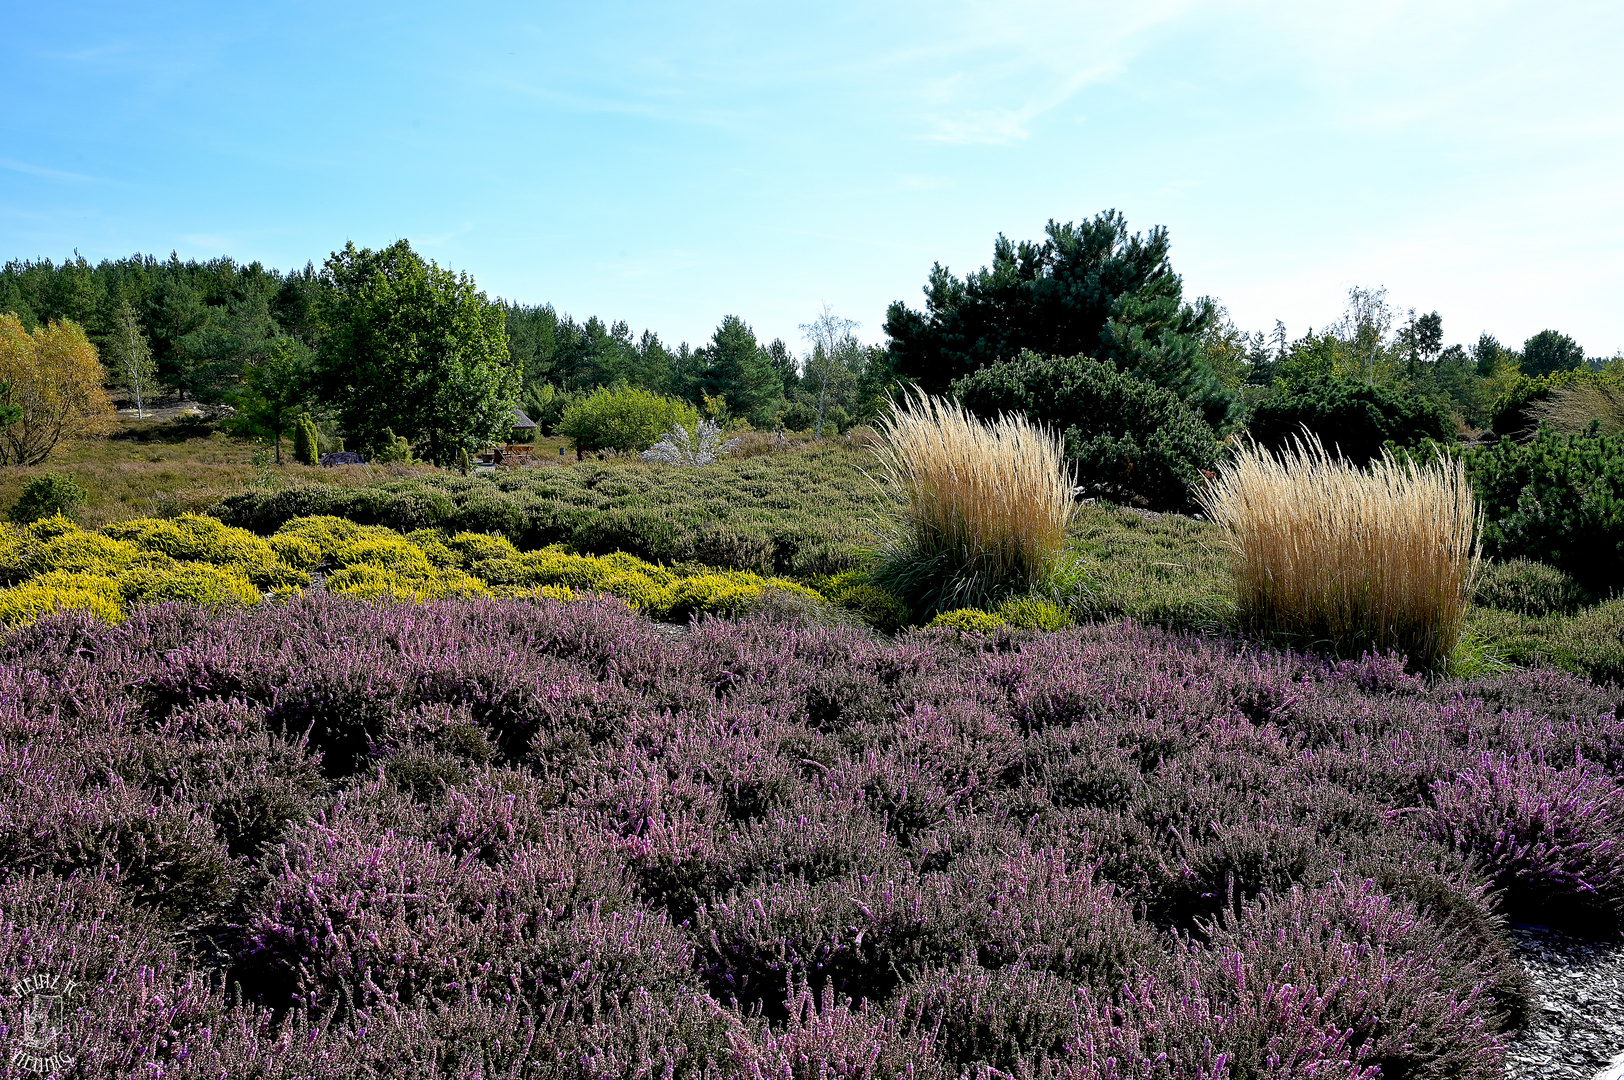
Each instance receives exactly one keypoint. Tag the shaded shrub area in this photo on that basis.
(1352, 419)
(1557, 499)
(1126, 439)
(346, 838)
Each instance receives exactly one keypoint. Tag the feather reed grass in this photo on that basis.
(1570, 409)
(984, 507)
(1327, 554)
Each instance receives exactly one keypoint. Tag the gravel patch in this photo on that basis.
(1577, 1032)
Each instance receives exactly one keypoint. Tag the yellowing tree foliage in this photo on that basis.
(54, 377)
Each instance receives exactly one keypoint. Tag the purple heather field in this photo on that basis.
(513, 839)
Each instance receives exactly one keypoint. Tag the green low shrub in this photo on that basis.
(1352, 419)
(1557, 499)
(1033, 613)
(967, 621)
(1589, 642)
(1127, 440)
(1527, 588)
(624, 418)
(802, 513)
(46, 496)
(853, 591)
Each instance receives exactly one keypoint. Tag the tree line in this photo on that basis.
(384, 346)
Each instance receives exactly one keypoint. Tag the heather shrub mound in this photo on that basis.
(469, 836)
(801, 512)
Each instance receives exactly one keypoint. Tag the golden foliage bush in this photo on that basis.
(1326, 554)
(967, 621)
(198, 538)
(55, 565)
(198, 583)
(58, 591)
(55, 378)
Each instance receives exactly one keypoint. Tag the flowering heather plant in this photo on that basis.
(524, 838)
(1550, 836)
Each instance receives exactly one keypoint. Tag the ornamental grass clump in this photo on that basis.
(983, 506)
(1329, 555)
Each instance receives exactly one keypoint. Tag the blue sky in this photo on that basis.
(672, 164)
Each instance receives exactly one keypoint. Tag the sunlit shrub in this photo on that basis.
(197, 538)
(213, 587)
(77, 552)
(297, 551)
(327, 533)
(624, 418)
(1033, 613)
(371, 581)
(968, 621)
(58, 591)
(854, 591)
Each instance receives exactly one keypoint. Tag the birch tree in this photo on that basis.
(131, 356)
(827, 333)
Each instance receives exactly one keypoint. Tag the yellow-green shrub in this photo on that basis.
(1033, 613)
(78, 552)
(432, 541)
(52, 527)
(727, 592)
(373, 582)
(200, 539)
(296, 551)
(554, 566)
(853, 591)
(194, 582)
(968, 621)
(492, 558)
(327, 533)
(58, 591)
(387, 550)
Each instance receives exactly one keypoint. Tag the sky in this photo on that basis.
(673, 164)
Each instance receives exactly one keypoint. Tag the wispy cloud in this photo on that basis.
(998, 68)
(48, 174)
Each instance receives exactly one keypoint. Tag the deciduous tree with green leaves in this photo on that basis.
(415, 349)
(130, 357)
(274, 390)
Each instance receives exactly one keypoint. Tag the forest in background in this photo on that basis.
(226, 332)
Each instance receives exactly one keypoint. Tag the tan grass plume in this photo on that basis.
(1325, 553)
(983, 506)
